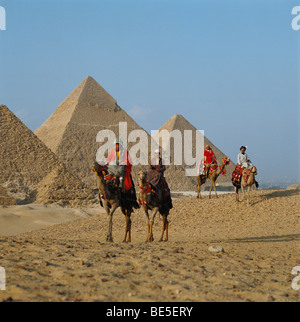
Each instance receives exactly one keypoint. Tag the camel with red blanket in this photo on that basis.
(111, 197)
(247, 179)
(212, 175)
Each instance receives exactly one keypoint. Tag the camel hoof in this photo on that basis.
(109, 239)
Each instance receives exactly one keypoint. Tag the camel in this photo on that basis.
(247, 180)
(155, 205)
(112, 200)
(213, 176)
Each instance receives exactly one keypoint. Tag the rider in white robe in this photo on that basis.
(243, 158)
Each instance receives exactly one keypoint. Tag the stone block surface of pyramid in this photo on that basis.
(25, 160)
(72, 129)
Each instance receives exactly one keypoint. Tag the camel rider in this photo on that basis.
(243, 162)
(243, 159)
(120, 165)
(209, 159)
(156, 178)
(157, 164)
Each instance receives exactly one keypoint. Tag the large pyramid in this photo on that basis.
(179, 123)
(71, 131)
(25, 160)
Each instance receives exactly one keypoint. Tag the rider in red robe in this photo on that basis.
(209, 158)
(122, 158)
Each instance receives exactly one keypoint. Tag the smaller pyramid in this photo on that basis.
(63, 188)
(178, 122)
(24, 159)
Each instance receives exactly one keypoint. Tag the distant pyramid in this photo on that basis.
(24, 159)
(178, 122)
(72, 129)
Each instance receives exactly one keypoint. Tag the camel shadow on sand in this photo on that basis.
(267, 239)
(277, 194)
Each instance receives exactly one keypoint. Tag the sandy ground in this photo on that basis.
(71, 261)
(16, 220)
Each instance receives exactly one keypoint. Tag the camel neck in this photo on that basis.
(221, 168)
(102, 187)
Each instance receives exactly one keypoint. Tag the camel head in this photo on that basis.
(225, 160)
(100, 170)
(142, 176)
(253, 170)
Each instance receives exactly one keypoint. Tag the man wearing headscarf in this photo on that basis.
(156, 177)
(120, 157)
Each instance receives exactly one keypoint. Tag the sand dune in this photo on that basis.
(20, 219)
(71, 261)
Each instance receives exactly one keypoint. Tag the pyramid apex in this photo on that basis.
(177, 122)
(89, 78)
(94, 94)
(177, 116)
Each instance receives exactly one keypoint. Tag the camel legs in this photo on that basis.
(199, 191)
(127, 227)
(110, 213)
(236, 194)
(213, 185)
(248, 196)
(244, 194)
(146, 212)
(165, 228)
(151, 223)
(201, 180)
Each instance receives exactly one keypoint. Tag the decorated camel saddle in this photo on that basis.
(213, 168)
(112, 182)
(241, 172)
(156, 188)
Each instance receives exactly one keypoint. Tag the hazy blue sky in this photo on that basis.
(230, 67)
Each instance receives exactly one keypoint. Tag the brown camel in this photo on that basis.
(155, 205)
(112, 198)
(212, 176)
(247, 180)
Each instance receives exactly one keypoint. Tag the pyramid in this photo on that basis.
(71, 131)
(178, 122)
(61, 187)
(24, 159)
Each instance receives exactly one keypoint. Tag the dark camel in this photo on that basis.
(153, 205)
(111, 200)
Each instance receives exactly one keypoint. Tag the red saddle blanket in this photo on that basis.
(237, 173)
(240, 171)
(112, 180)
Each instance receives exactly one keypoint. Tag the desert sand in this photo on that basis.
(69, 259)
